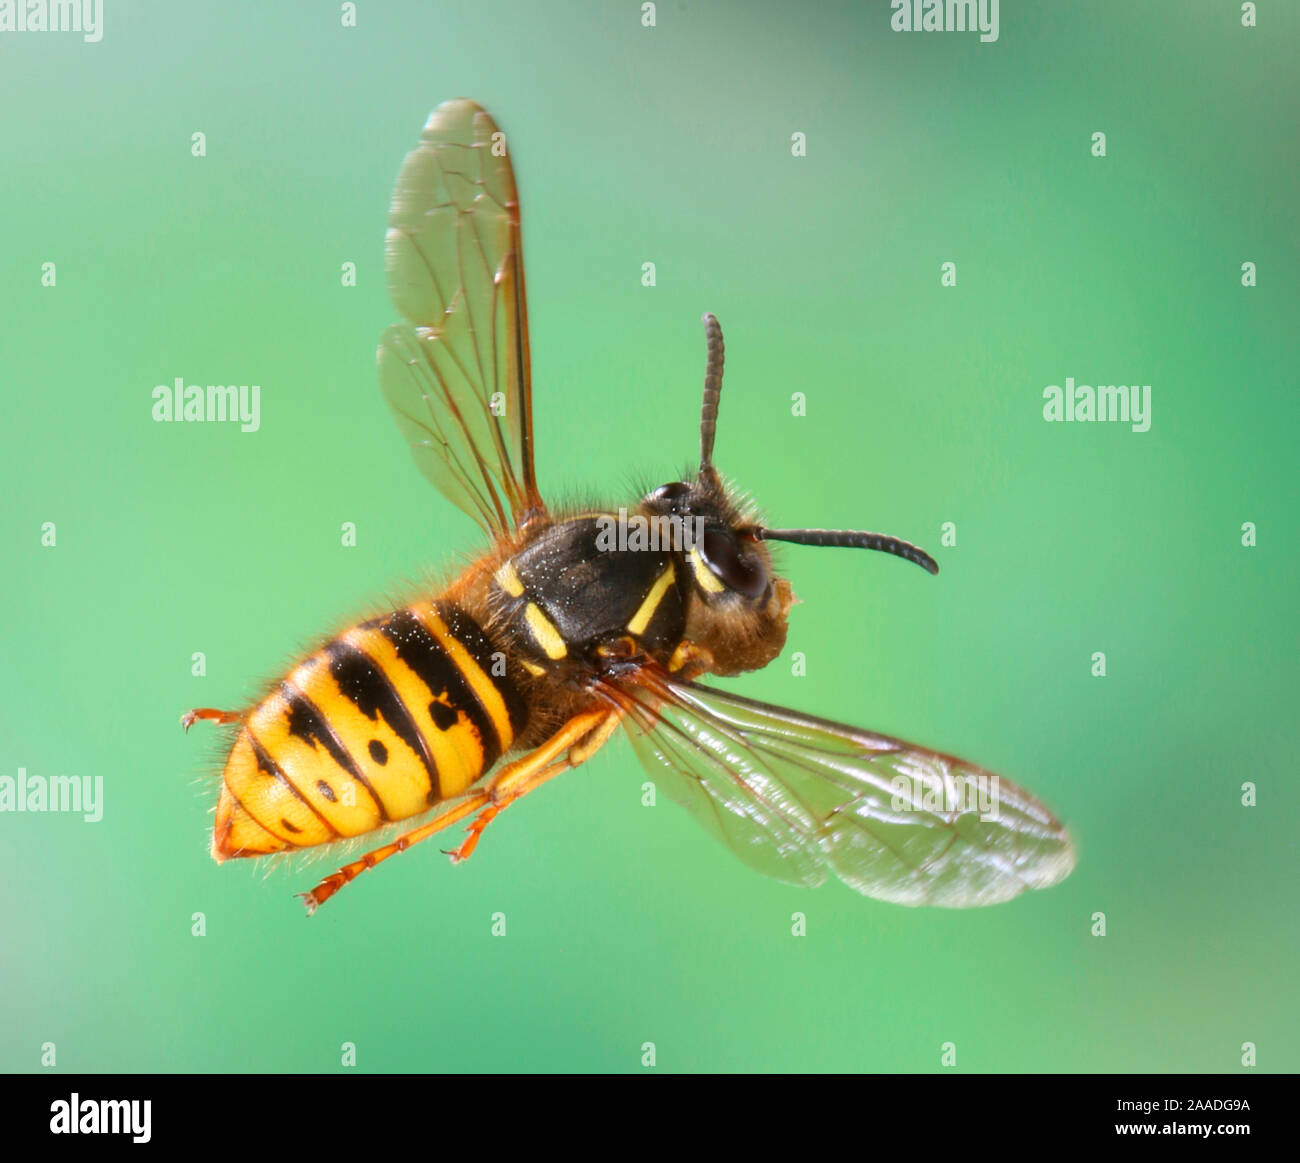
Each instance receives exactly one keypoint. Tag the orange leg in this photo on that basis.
(581, 737)
(349, 872)
(495, 808)
(190, 717)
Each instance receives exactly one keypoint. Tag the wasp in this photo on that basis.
(572, 626)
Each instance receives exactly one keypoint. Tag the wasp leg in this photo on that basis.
(190, 717)
(349, 872)
(690, 660)
(494, 809)
(581, 737)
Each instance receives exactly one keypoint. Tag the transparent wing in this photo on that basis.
(456, 373)
(796, 796)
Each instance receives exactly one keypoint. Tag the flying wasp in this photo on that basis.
(572, 625)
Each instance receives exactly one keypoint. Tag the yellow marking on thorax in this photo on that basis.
(704, 575)
(646, 611)
(479, 681)
(544, 632)
(508, 580)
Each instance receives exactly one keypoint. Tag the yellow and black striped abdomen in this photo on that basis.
(386, 720)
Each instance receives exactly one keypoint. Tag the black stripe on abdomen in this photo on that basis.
(365, 684)
(470, 635)
(420, 651)
(309, 725)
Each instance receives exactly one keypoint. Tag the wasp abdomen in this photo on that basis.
(390, 717)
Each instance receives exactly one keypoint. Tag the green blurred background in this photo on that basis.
(670, 145)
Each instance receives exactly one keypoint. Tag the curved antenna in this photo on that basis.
(712, 391)
(852, 539)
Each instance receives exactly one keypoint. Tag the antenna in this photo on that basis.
(712, 391)
(851, 539)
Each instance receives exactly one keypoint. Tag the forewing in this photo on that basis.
(794, 795)
(736, 799)
(456, 373)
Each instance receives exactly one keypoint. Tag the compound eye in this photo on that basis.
(674, 491)
(721, 554)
